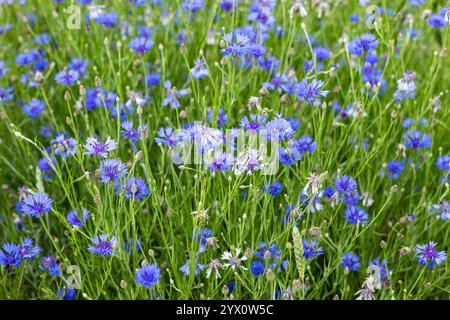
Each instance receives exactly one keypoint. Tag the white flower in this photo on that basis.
(215, 265)
(234, 261)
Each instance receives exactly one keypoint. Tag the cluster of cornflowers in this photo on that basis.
(217, 150)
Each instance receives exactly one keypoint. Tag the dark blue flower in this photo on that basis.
(148, 275)
(427, 255)
(350, 261)
(35, 205)
(355, 214)
(103, 245)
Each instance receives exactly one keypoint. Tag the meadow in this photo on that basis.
(224, 149)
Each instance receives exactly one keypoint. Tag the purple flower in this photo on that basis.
(74, 220)
(67, 77)
(112, 170)
(279, 129)
(134, 188)
(34, 108)
(79, 65)
(305, 144)
(311, 92)
(63, 146)
(366, 43)
(416, 139)
(98, 149)
(166, 136)
(273, 189)
(6, 94)
(310, 250)
(172, 95)
(238, 45)
(192, 5)
(350, 261)
(394, 168)
(345, 185)
(199, 70)
(443, 163)
(108, 19)
(51, 264)
(10, 255)
(436, 21)
(428, 256)
(141, 44)
(148, 275)
(28, 249)
(253, 123)
(221, 161)
(34, 205)
(103, 245)
(355, 215)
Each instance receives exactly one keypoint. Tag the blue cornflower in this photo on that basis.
(141, 44)
(202, 235)
(345, 185)
(269, 63)
(394, 168)
(428, 256)
(381, 270)
(43, 38)
(46, 168)
(133, 188)
(67, 77)
(10, 255)
(27, 58)
(436, 21)
(257, 268)
(279, 129)
(167, 137)
(273, 189)
(51, 264)
(262, 16)
(288, 156)
(228, 5)
(355, 215)
(112, 170)
(6, 94)
(192, 5)
(305, 144)
(3, 70)
(360, 45)
(253, 123)
(238, 45)
(442, 209)
(79, 65)
(34, 108)
(222, 117)
(350, 261)
(28, 249)
(221, 161)
(279, 82)
(152, 79)
(416, 139)
(406, 88)
(148, 275)
(185, 269)
(103, 245)
(63, 146)
(328, 192)
(443, 163)
(173, 94)
(74, 220)
(199, 70)
(108, 19)
(311, 92)
(66, 293)
(35, 205)
(132, 134)
(311, 250)
(96, 148)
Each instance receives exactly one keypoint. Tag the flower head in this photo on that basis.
(35, 205)
(103, 245)
(148, 275)
(427, 255)
(96, 148)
